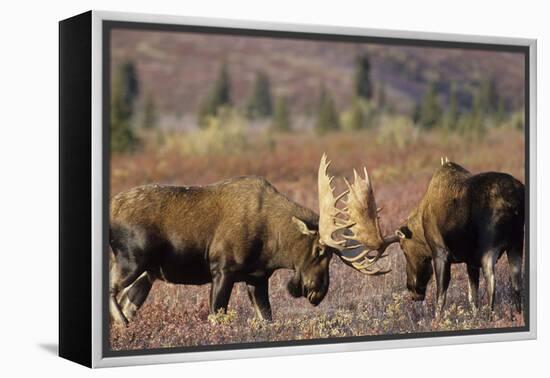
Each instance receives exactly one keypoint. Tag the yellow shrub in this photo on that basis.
(225, 133)
(223, 318)
(396, 131)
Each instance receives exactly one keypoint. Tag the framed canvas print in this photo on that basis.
(233, 189)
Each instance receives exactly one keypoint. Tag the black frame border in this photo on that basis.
(109, 25)
(75, 188)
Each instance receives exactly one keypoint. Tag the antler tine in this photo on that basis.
(362, 212)
(344, 193)
(375, 272)
(360, 218)
(364, 264)
(329, 222)
(366, 269)
(360, 256)
(367, 177)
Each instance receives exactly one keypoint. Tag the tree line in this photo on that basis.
(125, 98)
(484, 106)
(464, 111)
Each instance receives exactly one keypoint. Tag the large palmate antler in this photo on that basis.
(363, 214)
(330, 222)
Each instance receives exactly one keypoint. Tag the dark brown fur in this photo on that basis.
(464, 218)
(240, 230)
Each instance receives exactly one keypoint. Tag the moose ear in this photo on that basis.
(403, 232)
(302, 226)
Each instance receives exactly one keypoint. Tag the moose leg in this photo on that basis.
(515, 257)
(122, 274)
(473, 286)
(488, 267)
(442, 268)
(134, 296)
(114, 309)
(114, 288)
(259, 296)
(220, 292)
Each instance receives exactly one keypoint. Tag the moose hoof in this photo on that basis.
(120, 321)
(265, 318)
(123, 322)
(129, 311)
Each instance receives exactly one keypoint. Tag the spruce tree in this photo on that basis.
(381, 97)
(415, 115)
(327, 117)
(124, 90)
(149, 112)
(473, 124)
(259, 104)
(488, 97)
(281, 116)
(356, 115)
(452, 114)
(501, 111)
(205, 111)
(430, 109)
(362, 81)
(477, 124)
(130, 82)
(219, 95)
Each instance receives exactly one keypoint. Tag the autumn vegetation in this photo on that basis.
(356, 304)
(266, 134)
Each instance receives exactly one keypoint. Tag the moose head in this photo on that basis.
(333, 235)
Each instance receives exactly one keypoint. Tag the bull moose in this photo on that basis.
(239, 230)
(462, 218)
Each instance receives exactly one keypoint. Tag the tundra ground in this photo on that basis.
(356, 305)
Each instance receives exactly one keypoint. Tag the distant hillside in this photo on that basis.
(178, 69)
